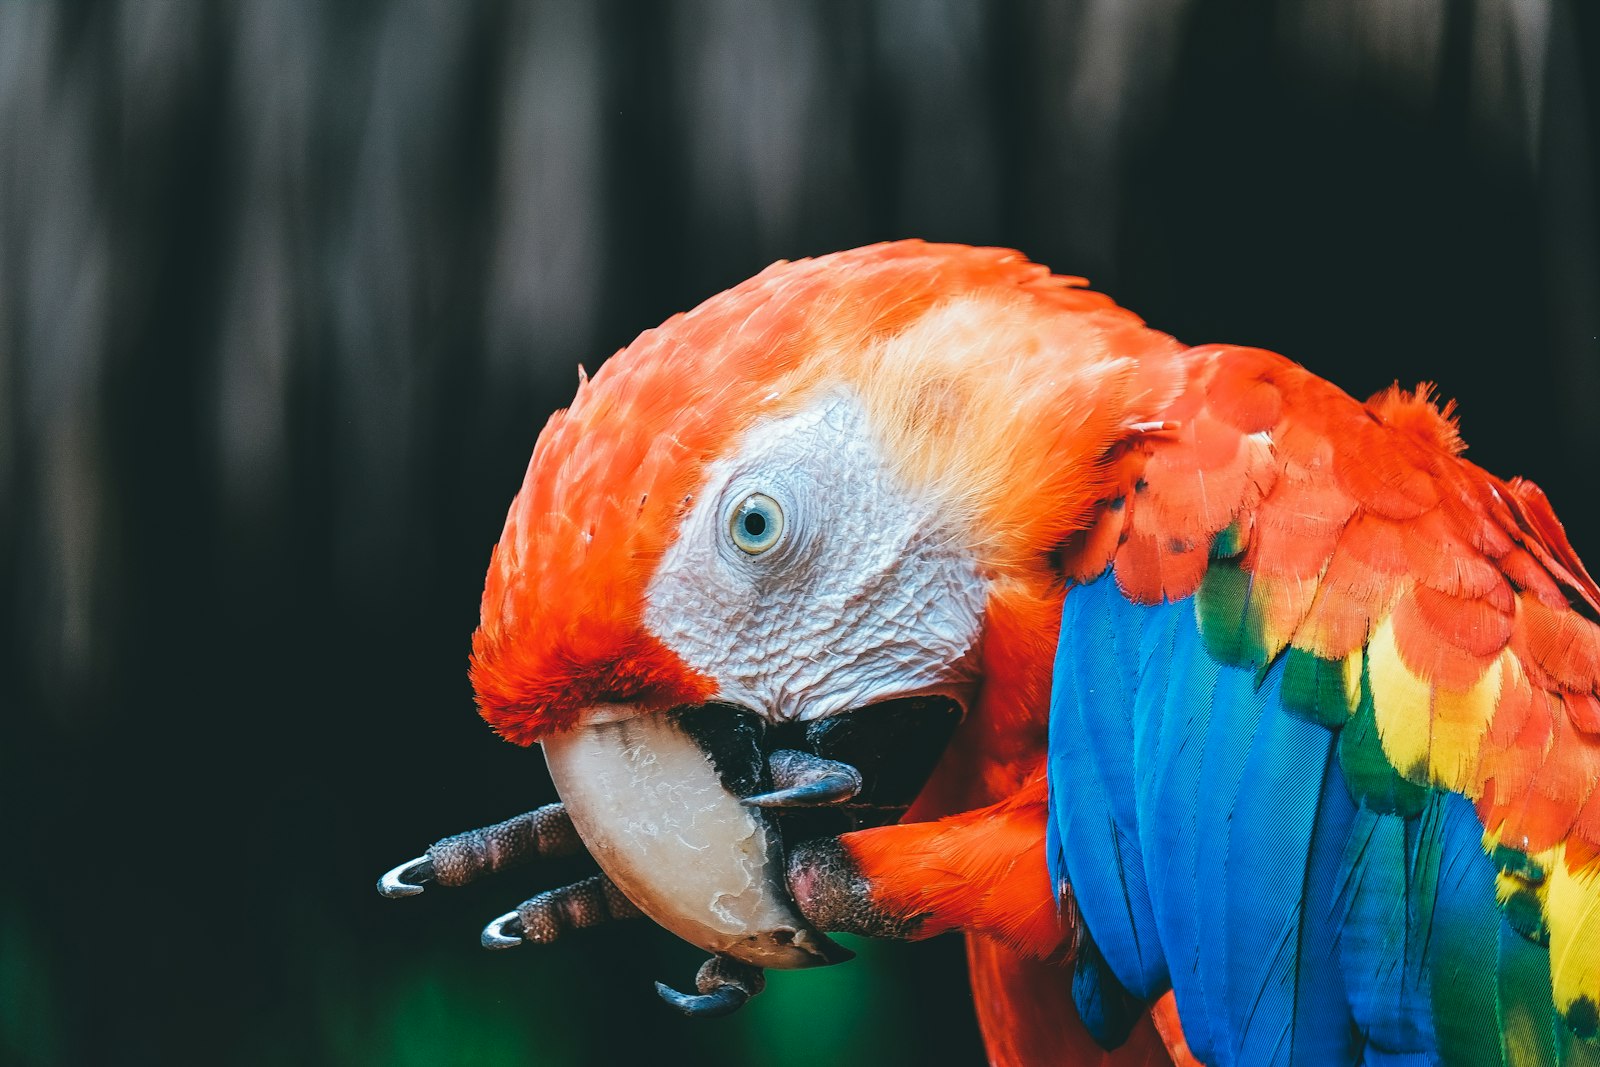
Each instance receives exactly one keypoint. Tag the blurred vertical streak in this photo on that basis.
(47, 473)
(931, 52)
(270, 297)
(549, 222)
(1511, 42)
(391, 293)
(56, 277)
(1106, 71)
(1569, 218)
(1399, 45)
(1392, 45)
(755, 138)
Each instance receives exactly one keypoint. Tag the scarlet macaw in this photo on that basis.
(1209, 687)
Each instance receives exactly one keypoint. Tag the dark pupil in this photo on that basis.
(755, 523)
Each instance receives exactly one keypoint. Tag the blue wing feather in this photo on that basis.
(1326, 1035)
(1235, 714)
(1169, 782)
(1214, 846)
(1373, 922)
(1091, 746)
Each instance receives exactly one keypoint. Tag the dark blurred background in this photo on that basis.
(288, 289)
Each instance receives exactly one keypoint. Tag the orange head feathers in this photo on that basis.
(946, 347)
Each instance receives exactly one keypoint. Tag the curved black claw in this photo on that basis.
(724, 984)
(454, 861)
(504, 932)
(408, 879)
(545, 917)
(804, 780)
(724, 1001)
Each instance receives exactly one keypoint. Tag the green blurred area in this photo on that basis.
(426, 1006)
(31, 1020)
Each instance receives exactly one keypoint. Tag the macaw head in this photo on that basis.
(793, 536)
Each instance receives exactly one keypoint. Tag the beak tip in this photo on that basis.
(821, 950)
(837, 953)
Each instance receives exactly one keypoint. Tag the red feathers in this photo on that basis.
(610, 477)
(1357, 518)
(1025, 1009)
(982, 871)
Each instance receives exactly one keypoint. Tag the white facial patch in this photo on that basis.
(867, 594)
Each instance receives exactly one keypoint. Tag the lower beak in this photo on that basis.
(657, 800)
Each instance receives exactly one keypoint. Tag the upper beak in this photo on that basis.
(655, 798)
(658, 799)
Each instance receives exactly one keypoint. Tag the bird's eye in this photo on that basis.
(756, 524)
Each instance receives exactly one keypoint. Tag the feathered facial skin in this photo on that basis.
(835, 491)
